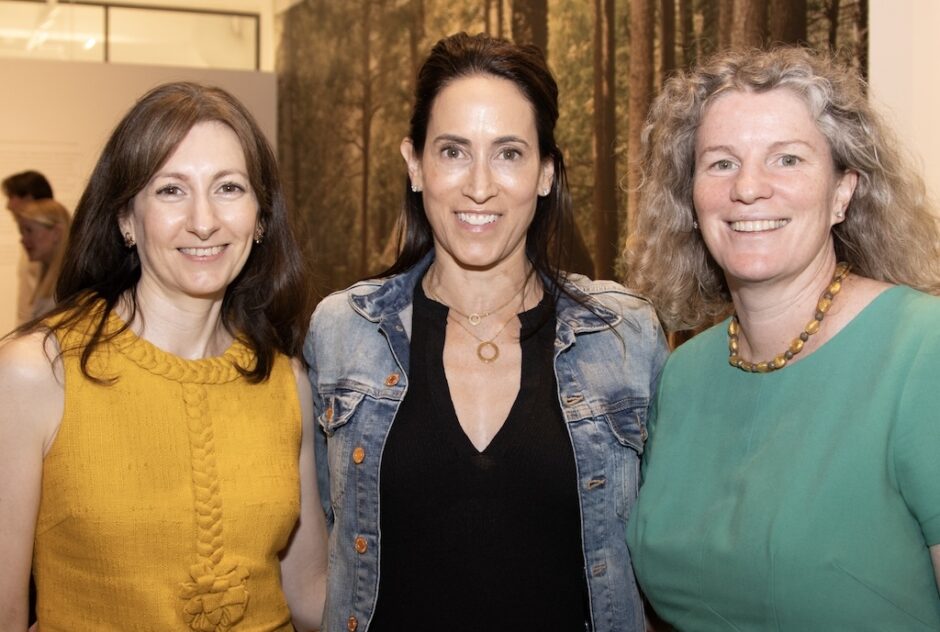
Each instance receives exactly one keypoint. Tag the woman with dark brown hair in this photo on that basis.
(483, 410)
(155, 440)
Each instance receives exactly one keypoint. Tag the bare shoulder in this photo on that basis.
(30, 360)
(31, 385)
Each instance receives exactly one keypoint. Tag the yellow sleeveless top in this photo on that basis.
(167, 495)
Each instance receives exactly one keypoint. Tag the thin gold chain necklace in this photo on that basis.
(475, 318)
(487, 349)
(781, 359)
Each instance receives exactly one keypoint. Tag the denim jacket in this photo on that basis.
(606, 365)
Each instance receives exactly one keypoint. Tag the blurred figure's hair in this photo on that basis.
(52, 215)
(27, 184)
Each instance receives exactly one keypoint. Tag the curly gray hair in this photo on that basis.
(889, 232)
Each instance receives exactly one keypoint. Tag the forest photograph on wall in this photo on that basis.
(346, 73)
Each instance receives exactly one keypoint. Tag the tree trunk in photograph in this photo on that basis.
(786, 21)
(708, 41)
(530, 23)
(667, 13)
(500, 18)
(687, 34)
(365, 131)
(642, 30)
(605, 138)
(416, 36)
(832, 14)
(749, 23)
(862, 45)
(725, 19)
(288, 61)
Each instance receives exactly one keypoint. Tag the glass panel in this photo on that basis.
(51, 31)
(179, 38)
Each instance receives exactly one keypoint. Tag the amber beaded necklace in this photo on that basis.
(781, 359)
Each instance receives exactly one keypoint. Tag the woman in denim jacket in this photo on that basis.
(498, 498)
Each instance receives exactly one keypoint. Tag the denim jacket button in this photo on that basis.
(361, 545)
(358, 455)
(392, 379)
(352, 623)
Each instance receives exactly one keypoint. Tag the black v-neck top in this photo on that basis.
(474, 540)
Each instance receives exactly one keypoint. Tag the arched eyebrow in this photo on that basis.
(511, 139)
(716, 148)
(452, 138)
(776, 145)
(785, 143)
(185, 178)
(460, 140)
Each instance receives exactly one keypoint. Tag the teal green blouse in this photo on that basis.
(803, 499)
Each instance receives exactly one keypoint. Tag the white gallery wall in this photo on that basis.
(905, 77)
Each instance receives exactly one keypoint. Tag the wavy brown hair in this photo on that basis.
(265, 304)
(889, 232)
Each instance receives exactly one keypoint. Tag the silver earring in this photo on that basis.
(415, 188)
(694, 224)
(259, 234)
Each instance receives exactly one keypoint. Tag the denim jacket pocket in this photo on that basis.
(627, 420)
(628, 424)
(338, 408)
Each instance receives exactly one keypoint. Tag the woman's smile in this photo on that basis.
(757, 225)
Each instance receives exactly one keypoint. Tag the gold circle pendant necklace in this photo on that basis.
(487, 349)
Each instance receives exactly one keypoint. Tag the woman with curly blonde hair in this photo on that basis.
(791, 478)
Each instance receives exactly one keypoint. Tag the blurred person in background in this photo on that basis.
(44, 233)
(20, 188)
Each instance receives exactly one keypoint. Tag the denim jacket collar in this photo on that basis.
(394, 295)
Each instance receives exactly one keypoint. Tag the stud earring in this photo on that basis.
(129, 240)
(259, 233)
(694, 224)
(415, 188)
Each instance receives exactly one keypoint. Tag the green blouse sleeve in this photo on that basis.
(917, 437)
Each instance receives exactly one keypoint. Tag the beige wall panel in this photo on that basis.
(905, 80)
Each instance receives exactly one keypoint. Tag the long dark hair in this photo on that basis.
(548, 239)
(264, 305)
